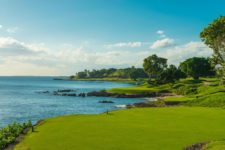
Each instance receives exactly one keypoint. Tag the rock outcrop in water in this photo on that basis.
(118, 95)
(64, 94)
(105, 101)
(82, 95)
(66, 90)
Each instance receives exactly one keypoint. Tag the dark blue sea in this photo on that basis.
(21, 98)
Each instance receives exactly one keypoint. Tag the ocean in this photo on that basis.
(22, 98)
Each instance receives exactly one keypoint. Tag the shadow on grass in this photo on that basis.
(193, 81)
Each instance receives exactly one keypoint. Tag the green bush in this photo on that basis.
(9, 133)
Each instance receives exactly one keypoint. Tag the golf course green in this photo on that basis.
(170, 128)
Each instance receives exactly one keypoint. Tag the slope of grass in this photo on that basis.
(177, 99)
(204, 92)
(171, 128)
(216, 145)
(145, 88)
(211, 100)
(209, 94)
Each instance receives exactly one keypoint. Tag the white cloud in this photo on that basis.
(1, 26)
(81, 57)
(19, 58)
(12, 29)
(38, 47)
(179, 53)
(160, 32)
(12, 47)
(163, 43)
(125, 44)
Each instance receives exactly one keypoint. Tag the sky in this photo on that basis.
(61, 37)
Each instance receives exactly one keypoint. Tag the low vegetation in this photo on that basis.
(9, 133)
(205, 92)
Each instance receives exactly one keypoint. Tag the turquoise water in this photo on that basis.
(20, 99)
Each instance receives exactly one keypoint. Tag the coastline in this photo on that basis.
(99, 79)
(163, 102)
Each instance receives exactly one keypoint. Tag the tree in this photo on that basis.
(214, 36)
(170, 75)
(154, 65)
(196, 67)
(72, 77)
(80, 75)
(135, 73)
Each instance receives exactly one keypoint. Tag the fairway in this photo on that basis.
(170, 128)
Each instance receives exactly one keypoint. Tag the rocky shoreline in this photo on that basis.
(159, 102)
(103, 93)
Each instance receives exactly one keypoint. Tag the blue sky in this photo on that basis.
(50, 36)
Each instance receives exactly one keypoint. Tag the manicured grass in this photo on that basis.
(141, 89)
(132, 90)
(177, 98)
(170, 128)
(212, 100)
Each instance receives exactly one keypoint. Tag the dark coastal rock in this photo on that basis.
(43, 92)
(64, 94)
(118, 95)
(66, 90)
(105, 101)
(99, 94)
(58, 79)
(69, 94)
(82, 95)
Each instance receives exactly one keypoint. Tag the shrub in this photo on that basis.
(9, 133)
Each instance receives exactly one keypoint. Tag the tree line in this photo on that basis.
(132, 73)
(159, 72)
(156, 70)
